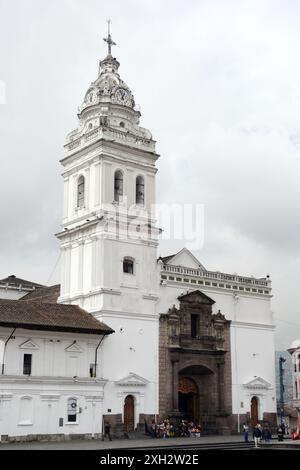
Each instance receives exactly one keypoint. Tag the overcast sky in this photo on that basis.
(218, 82)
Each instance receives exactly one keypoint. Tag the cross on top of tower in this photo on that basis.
(109, 40)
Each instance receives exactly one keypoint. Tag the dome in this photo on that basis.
(295, 344)
(108, 88)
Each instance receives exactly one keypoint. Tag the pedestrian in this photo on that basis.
(266, 434)
(280, 433)
(106, 431)
(153, 429)
(246, 432)
(256, 435)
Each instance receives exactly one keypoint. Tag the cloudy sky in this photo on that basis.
(218, 82)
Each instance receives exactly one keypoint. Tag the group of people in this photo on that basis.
(168, 429)
(263, 433)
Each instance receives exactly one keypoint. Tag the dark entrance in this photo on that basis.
(188, 402)
(254, 411)
(129, 414)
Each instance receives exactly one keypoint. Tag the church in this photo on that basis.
(137, 338)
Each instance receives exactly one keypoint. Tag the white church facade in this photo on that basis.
(109, 268)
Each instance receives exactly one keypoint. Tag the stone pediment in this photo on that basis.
(29, 344)
(257, 383)
(132, 379)
(196, 297)
(74, 348)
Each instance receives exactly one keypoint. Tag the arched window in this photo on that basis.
(118, 186)
(128, 265)
(80, 191)
(140, 190)
(72, 410)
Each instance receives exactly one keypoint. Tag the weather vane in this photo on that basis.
(109, 40)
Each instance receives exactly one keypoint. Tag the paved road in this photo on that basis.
(123, 443)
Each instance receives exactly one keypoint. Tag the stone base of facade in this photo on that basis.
(117, 426)
(116, 430)
(48, 437)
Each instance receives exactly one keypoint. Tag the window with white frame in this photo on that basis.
(72, 410)
(80, 191)
(118, 186)
(128, 265)
(140, 190)
(27, 364)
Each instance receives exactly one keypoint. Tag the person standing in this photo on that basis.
(266, 434)
(246, 432)
(106, 431)
(280, 433)
(256, 435)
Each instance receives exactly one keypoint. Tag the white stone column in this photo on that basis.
(97, 189)
(66, 199)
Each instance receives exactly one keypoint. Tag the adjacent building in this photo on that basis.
(51, 380)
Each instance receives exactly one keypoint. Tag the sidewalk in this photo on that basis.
(120, 443)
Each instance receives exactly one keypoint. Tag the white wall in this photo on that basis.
(252, 332)
(33, 404)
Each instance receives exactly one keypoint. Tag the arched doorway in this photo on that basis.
(129, 413)
(254, 411)
(188, 402)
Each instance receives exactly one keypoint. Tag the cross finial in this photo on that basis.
(109, 40)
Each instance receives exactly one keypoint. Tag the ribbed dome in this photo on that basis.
(109, 87)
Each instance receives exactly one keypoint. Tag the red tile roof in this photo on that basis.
(49, 316)
(44, 294)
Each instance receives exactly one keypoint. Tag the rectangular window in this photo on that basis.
(194, 326)
(171, 278)
(128, 266)
(92, 370)
(27, 362)
(72, 410)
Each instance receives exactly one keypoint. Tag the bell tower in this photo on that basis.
(109, 238)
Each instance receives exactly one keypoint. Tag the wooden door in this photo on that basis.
(129, 414)
(254, 411)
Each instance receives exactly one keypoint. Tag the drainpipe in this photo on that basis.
(2, 373)
(96, 354)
